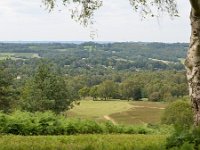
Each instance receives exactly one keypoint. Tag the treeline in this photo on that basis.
(43, 90)
(156, 86)
(64, 73)
(90, 57)
(45, 87)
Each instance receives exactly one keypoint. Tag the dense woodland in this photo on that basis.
(96, 58)
(50, 76)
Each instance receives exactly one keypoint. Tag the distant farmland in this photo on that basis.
(15, 56)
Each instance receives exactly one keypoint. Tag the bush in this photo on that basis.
(48, 123)
(178, 113)
(184, 139)
(155, 97)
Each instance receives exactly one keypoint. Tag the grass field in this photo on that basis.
(83, 142)
(15, 56)
(119, 112)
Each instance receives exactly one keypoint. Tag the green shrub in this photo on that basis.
(185, 136)
(48, 123)
(155, 97)
(184, 139)
(3, 121)
(178, 113)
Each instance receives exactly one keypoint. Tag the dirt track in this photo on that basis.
(109, 119)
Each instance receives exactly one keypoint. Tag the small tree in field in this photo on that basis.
(155, 97)
(84, 92)
(94, 92)
(107, 89)
(130, 89)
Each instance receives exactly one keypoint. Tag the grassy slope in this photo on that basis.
(122, 112)
(83, 142)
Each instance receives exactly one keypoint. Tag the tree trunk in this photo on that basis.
(192, 64)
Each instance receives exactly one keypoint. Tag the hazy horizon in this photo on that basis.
(79, 42)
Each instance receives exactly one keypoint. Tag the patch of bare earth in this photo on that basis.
(110, 119)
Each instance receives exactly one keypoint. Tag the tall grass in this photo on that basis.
(83, 142)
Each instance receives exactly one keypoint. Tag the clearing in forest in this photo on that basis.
(119, 112)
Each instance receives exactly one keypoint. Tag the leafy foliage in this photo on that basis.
(180, 114)
(155, 96)
(48, 123)
(46, 91)
(130, 89)
(8, 95)
(107, 89)
(155, 7)
(184, 139)
(93, 92)
(84, 92)
(83, 10)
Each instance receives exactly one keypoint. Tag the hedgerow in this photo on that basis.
(48, 123)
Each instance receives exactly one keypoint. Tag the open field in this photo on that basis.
(119, 112)
(163, 61)
(182, 60)
(15, 56)
(83, 142)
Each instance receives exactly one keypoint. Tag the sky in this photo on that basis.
(27, 20)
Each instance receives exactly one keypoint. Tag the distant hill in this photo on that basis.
(102, 55)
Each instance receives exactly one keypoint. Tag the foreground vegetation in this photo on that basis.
(84, 142)
(24, 123)
(99, 136)
(37, 96)
(89, 134)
